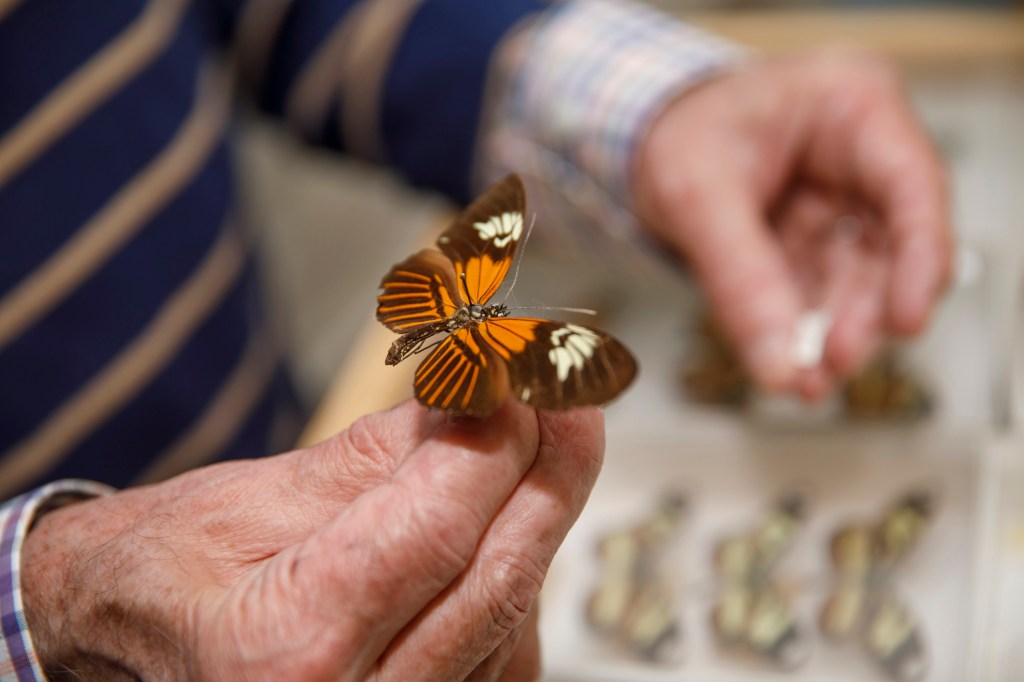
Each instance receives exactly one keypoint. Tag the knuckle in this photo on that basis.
(859, 71)
(514, 583)
(576, 442)
(445, 535)
(344, 464)
(363, 440)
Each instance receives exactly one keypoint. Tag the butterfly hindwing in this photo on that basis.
(462, 375)
(554, 365)
(482, 242)
(420, 290)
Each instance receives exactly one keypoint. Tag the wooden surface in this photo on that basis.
(940, 37)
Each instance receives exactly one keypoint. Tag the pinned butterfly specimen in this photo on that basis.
(715, 375)
(633, 602)
(752, 612)
(484, 354)
(864, 604)
(887, 390)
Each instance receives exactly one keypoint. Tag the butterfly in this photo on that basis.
(485, 354)
(752, 611)
(864, 604)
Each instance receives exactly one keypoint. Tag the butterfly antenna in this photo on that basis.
(584, 311)
(465, 287)
(519, 260)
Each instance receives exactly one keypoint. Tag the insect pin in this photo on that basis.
(479, 353)
(752, 612)
(864, 604)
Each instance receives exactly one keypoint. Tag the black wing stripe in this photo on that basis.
(417, 291)
(504, 349)
(434, 366)
(462, 375)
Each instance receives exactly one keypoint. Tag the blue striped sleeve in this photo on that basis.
(434, 93)
(400, 82)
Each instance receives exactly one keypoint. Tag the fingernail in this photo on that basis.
(814, 385)
(770, 360)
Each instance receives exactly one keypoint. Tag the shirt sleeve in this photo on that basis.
(18, 660)
(575, 92)
(399, 82)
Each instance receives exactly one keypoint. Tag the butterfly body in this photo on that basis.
(466, 316)
(484, 353)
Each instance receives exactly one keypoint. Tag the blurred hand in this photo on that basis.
(802, 183)
(411, 546)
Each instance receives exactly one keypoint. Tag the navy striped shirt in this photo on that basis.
(132, 340)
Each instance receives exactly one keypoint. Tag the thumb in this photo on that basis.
(370, 570)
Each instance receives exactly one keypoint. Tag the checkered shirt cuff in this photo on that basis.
(575, 92)
(18, 660)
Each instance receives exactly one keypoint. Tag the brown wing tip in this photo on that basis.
(470, 412)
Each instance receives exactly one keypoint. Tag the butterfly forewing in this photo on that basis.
(462, 375)
(554, 365)
(482, 242)
(420, 290)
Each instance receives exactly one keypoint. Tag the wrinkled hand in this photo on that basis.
(411, 546)
(748, 175)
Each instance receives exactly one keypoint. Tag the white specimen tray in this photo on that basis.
(847, 478)
(733, 466)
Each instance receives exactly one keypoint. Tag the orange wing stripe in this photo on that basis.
(483, 276)
(417, 294)
(406, 285)
(407, 306)
(461, 380)
(413, 275)
(445, 373)
(448, 356)
(427, 366)
(414, 316)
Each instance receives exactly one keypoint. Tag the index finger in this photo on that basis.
(893, 163)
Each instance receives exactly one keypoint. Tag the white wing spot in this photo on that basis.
(525, 395)
(572, 346)
(501, 229)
